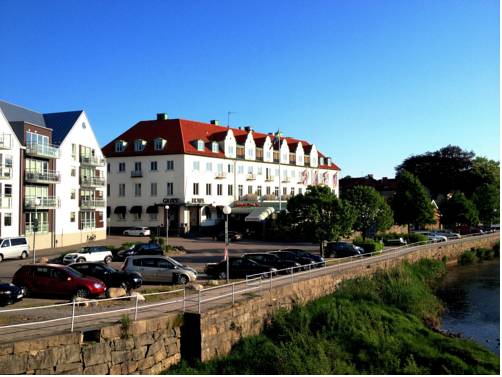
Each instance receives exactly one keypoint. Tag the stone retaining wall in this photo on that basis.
(145, 347)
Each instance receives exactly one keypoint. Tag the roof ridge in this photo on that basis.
(22, 107)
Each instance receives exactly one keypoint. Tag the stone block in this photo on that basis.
(111, 332)
(120, 356)
(143, 340)
(64, 368)
(173, 349)
(155, 324)
(116, 369)
(138, 327)
(154, 348)
(97, 369)
(44, 371)
(6, 349)
(96, 354)
(160, 355)
(122, 344)
(130, 367)
(138, 353)
(145, 363)
(13, 364)
(72, 354)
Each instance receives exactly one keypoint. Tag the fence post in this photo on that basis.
(199, 301)
(310, 272)
(270, 282)
(136, 308)
(184, 297)
(233, 294)
(292, 275)
(72, 315)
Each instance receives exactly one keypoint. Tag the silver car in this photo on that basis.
(159, 269)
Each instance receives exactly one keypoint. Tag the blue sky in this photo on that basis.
(369, 82)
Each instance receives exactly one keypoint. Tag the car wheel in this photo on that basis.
(222, 275)
(80, 260)
(108, 260)
(125, 286)
(81, 293)
(24, 255)
(183, 279)
(26, 291)
(1, 258)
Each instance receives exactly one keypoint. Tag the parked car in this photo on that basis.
(14, 247)
(232, 236)
(274, 261)
(89, 254)
(448, 234)
(395, 242)
(56, 280)
(305, 254)
(343, 250)
(159, 269)
(287, 255)
(137, 231)
(109, 275)
(150, 248)
(435, 237)
(10, 293)
(239, 267)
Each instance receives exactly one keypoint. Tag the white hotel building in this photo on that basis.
(51, 169)
(197, 168)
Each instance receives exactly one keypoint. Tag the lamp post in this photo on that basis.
(167, 225)
(227, 211)
(35, 225)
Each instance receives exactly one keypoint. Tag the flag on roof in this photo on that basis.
(277, 136)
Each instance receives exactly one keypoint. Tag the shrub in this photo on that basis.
(467, 257)
(496, 249)
(416, 237)
(369, 246)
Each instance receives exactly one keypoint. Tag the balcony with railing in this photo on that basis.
(251, 177)
(92, 182)
(269, 178)
(42, 150)
(221, 175)
(5, 172)
(286, 179)
(5, 202)
(92, 203)
(42, 202)
(87, 224)
(92, 161)
(48, 176)
(136, 174)
(5, 141)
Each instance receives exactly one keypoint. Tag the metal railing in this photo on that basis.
(92, 181)
(42, 150)
(223, 293)
(92, 203)
(48, 176)
(5, 172)
(41, 202)
(136, 173)
(92, 160)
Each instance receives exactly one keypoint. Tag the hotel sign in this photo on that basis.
(170, 200)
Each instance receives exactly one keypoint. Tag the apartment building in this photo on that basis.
(197, 168)
(57, 177)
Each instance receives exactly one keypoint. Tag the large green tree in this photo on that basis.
(371, 210)
(457, 209)
(319, 215)
(486, 198)
(411, 203)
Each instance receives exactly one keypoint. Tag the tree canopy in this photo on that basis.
(370, 208)
(319, 215)
(457, 209)
(411, 203)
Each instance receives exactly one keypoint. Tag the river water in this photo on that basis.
(472, 297)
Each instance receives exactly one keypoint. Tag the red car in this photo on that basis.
(56, 280)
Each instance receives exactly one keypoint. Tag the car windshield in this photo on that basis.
(109, 268)
(73, 272)
(175, 262)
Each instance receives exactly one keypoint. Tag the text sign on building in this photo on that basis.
(170, 200)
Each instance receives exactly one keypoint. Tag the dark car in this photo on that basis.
(150, 248)
(109, 275)
(288, 255)
(343, 249)
(232, 236)
(238, 268)
(56, 280)
(9, 294)
(274, 261)
(305, 254)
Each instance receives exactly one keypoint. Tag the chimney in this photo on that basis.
(162, 116)
(247, 128)
(215, 122)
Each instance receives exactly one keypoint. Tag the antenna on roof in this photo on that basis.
(228, 117)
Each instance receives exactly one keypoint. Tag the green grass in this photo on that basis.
(377, 325)
(478, 255)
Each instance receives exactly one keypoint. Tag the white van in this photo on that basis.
(14, 247)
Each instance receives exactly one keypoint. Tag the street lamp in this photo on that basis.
(227, 211)
(35, 225)
(167, 225)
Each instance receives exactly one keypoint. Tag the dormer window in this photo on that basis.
(120, 145)
(139, 145)
(159, 144)
(329, 161)
(214, 147)
(200, 145)
(321, 160)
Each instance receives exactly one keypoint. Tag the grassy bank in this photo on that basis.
(378, 325)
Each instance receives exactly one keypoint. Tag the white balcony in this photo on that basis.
(92, 203)
(42, 150)
(92, 182)
(48, 176)
(41, 202)
(92, 161)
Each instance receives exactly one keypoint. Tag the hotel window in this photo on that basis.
(108, 191)
(268, 155)
(196, 189)
(108, 167)
(137, 189)
(121, 189)
(119, 146)
(250, 170)
(153, 165)
(137, 166)
(170, 188)
(208, 188)
(159, 144)
(260, 170)
(240, 169)
(277, 172)
(300, 191)
(258, 191)
(284, 191)
(250, 152)
(219, 189)
(293, 174)
(73, 194)
(300, 159)
(73, 172)
(72, 217)
(196, 165)
(230, 168)
(230, 190)
(139, 145)
(240, 190)
(209, 166)
(292, 191)
(219, 168)
(200, 145)
(268, 190)
(170, 165)
(214, 147)
(250, 189)
(321, 160)
(74, 151)
(231, 150)
(207, 212)
(121, 167)
(7, 219)
(276, 191)
(153, 189)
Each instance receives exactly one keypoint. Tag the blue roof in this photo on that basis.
(61, 124)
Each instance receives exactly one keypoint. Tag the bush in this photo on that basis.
(467, 257)
(369, 246)
(410, 238)
(416, 237)
(496, 249)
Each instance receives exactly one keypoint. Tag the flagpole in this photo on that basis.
(279, 162)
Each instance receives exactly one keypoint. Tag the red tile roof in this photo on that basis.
(182, 136)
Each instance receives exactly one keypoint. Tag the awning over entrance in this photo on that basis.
(120, 210)
(242, 210)
(259, 214)
(136, 209)
(152, 209)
